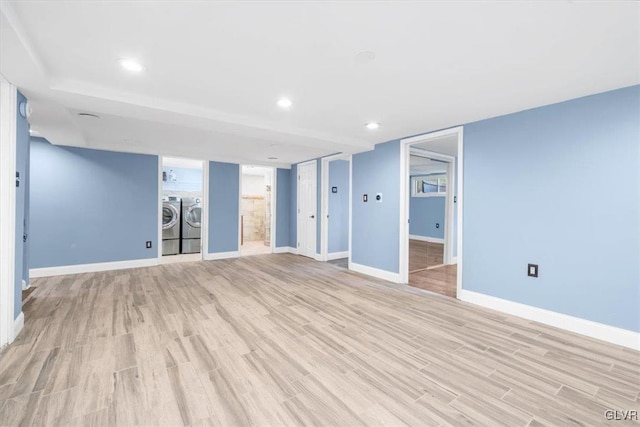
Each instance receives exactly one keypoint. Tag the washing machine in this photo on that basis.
(171, 208)
(191, 219)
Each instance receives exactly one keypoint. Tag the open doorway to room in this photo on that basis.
(336, 196)
(182, 198)
(430, 242)
(256, 210)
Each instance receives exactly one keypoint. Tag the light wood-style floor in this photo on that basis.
(254, 248)
(274, 340)
(424, 254)
(441, 280)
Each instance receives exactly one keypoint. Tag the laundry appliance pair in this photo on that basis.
(181, 225)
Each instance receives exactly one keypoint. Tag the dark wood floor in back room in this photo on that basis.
(426, 269)
(273, 340)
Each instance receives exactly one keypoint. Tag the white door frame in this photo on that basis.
(324, 201)
(404, 198)
(448, 206)
(314, 163)
(8, 117)
(204, 221)
(272, 236)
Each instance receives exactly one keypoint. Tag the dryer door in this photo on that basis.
(170, 215)
(193, 216)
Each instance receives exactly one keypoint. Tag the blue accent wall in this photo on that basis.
(338, 206)
(283, 207)
(557, 186)
(22, 206)
(424, 214)
(91, 206)
(224, 208)
(293, 207)
(186, 179)
(376, 228)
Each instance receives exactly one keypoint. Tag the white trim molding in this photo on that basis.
(8, 121)
(580, 326)
(375, 272)
(285, 250)
(452, 170)
(92, 268)
(426, 238)
(18, 324)
(221, 255)
(337, 255)
(324, 201)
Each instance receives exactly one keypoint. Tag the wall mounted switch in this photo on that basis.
(365, 198)
(379, 197)
(148, 244)
(532, 270)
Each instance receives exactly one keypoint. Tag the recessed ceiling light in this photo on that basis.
(272, 158)
(88, 115)
(131, 65)
(285, 103)
(366, 56)
(372, 125)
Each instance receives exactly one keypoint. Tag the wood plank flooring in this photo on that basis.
(275, 340)
(424, 254)
(441, 280)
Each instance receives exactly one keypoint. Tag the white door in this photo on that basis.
(307, 187)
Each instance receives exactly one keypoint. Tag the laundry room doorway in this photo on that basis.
(182, 195)
(257, 212)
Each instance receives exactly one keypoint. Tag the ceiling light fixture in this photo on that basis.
(372, 125)
(131, 65)
(272, 158)
(285, 103)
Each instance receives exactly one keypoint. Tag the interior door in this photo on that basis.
(307, 188)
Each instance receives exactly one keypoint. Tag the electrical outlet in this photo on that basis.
(532, 270)
(149, 244)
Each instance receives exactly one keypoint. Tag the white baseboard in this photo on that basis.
(285, 250)
(375, 272)
(91, 268)
(337, 255)
(426, 239)
(589, 328)
(18, 324)
(221, 255)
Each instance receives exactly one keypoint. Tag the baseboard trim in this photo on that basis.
(580, 326)
(221, 255)
(285, 250)
(337, 255)
(426, 239)
(375, 272)
(91, 268)
(18, 324)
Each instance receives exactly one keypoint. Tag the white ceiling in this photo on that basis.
(419, 165)
(216, 69)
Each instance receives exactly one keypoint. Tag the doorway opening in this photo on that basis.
(431, 215)
(257, 221)
(182, 205)
(336, 197)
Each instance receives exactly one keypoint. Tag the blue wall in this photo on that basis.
(376, 228)
(283, 207)
(224, 209)
(90, 206)
(22, 206)
(338, 206)
(424, 213)
(186, 179)
(293, 207)
(557, 186)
